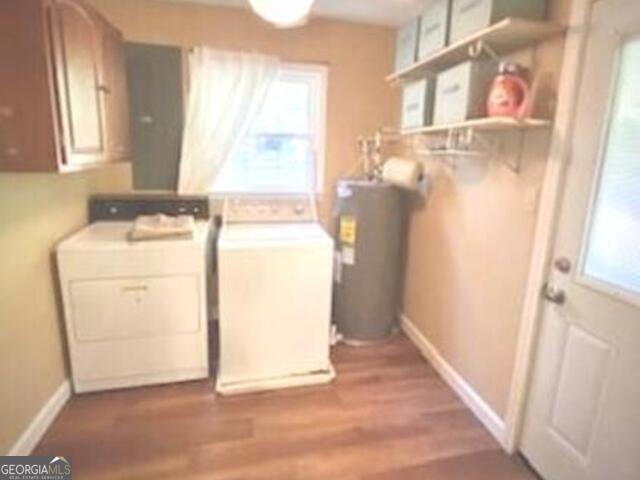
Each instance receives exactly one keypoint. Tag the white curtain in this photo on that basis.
(226, 92)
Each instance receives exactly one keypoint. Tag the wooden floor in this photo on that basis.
(386, 416)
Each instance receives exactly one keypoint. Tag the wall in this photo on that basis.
(359, 57)
(36, 211)
(469, 249)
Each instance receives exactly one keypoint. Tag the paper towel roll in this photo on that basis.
(402, 172)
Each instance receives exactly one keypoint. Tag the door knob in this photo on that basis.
(553, 294)
(562, 264)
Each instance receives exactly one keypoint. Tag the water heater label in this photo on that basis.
(348, 256)
(348, 227)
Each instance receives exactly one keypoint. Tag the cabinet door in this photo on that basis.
(76, 37)
(114, 95)
(27, 114)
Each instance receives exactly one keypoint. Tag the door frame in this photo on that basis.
(548, 213)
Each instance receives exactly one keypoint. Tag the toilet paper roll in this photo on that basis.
(402, 172)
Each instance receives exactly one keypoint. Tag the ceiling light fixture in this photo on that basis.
(283, 13)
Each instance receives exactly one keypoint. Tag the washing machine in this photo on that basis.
(275, 278)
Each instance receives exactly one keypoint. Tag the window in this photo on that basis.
(283, 151)
(613, 254)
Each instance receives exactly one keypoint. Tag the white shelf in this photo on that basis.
(482, 124)
(505, 36)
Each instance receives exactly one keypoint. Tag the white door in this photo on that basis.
(583, 412)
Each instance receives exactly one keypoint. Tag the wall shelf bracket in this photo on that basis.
(476, 49)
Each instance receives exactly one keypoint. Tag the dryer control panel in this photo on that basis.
(270, 210)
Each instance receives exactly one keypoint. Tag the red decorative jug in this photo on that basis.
(510, 94)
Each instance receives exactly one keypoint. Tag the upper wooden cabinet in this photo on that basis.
(63, 95)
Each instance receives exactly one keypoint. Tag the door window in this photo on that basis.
(612, 253)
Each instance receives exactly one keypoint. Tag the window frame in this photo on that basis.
(318, 76)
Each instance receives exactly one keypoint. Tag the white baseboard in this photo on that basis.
(490, 419)
(42, 421)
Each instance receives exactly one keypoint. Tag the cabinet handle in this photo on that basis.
(135, 288)
(451, 89)
(469, 6)
(6, 111)
(11, 152)
(104, 89)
